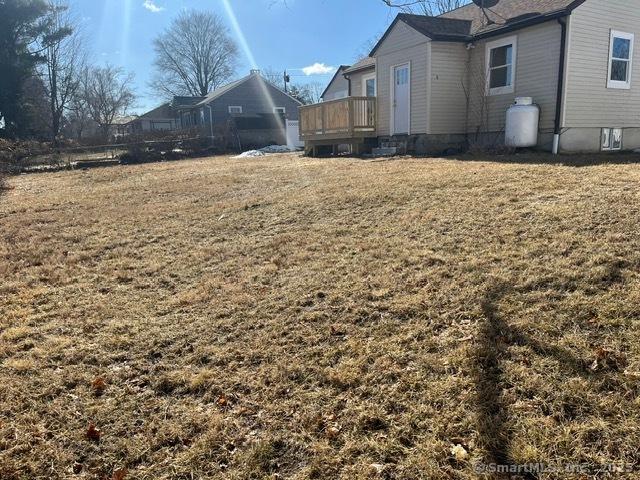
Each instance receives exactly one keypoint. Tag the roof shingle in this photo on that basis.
(506, 13)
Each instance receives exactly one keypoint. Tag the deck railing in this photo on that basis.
(351, 117)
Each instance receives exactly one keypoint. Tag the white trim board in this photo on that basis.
(512, 40)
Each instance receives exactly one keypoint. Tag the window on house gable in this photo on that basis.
(501, 66)
(279, 110)
(370, 87)
(620, 60)
(235, 109)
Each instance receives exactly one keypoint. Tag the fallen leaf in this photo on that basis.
(222, 401)
(377, 467)
(93, 433)
(333, 431)
(119, 474)
(608, 360)
(98, 386)
(459, 452)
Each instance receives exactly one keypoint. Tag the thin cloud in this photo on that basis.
(152, 7)
(318, 69)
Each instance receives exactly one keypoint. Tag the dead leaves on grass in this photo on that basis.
(99, 385)
(608, 360)
(93, 433)
(119, 474)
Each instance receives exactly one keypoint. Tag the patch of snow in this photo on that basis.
(276, 149)
(250, 154)
(266, 150)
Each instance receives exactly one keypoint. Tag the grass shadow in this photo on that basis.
(495, 338)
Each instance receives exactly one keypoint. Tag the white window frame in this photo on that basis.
(239, 107)
(280, 110)
(608, 134)
(617, 83)
(365, 78)
(503, 42)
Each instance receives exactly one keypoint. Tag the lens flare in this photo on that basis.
(235, 25)
(126, 31)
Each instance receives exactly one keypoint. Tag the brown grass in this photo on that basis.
(298, 318)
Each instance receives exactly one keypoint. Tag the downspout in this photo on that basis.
(210, 120)
(349, 82)
(560, 93)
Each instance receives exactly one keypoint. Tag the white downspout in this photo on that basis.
(556, 143)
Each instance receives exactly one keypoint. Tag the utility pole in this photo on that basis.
(287, 79)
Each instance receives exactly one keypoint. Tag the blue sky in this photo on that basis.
(298, 35)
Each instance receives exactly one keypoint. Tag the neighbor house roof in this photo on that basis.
(163, 111)
(364, 64)
(182, 102)
(469, 23)
(340, 71)
(218, 92)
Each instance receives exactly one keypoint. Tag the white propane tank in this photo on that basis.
(522, 123)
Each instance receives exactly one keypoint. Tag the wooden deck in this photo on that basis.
(350, 119)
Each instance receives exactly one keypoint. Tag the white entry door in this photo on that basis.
(401, 93)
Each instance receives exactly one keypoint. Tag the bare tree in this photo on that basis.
(78, 117)
(426, 7)
(366, 47)
(64, 61)
(107, 92)
(194, 56)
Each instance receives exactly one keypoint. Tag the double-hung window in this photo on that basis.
(620, 60)
(501, 66)
(369, 85)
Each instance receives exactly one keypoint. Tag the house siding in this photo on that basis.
(251, 96)
(589, 103)
(356, 82)
(448, 82)
(338, 88)
(403, 45)
(537, 66)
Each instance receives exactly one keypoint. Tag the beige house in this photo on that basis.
(447, 81)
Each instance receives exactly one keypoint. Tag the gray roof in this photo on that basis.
(469, 22)
(163, 111)
(439, 27)
(364, 64)
(218, 92)
(178, 102)
(507, 13)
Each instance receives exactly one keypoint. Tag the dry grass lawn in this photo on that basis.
(309, 318)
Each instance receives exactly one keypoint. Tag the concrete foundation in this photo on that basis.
(576, 140)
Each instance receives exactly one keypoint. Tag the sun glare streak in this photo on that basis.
(239, 33)
(125, 39)
(249, 54)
